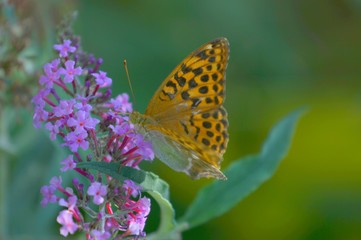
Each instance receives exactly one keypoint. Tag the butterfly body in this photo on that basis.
(185, 120)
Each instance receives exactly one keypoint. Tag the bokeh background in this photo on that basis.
(284, 55)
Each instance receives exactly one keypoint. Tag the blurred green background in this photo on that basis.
(284, 54)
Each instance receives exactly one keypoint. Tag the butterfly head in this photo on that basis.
(140, 121)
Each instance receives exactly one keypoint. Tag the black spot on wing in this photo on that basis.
(185, 69)
(180, 80)
(205, 78)
(203, 89)
(202, 54)
(172, 85)
(211, 59)
(198, 71)
(205, 141)
(185, 95)
(192, 83)
(207, 124)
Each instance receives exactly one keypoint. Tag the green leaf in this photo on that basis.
(244, 176)
(149, 182)
(167, 216)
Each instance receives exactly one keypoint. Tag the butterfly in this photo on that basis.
(185, 120)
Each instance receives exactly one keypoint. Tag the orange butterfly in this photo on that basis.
(185, 120)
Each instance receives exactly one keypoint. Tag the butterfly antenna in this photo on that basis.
(130, 84)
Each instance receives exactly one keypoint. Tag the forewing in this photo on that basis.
(197, 82)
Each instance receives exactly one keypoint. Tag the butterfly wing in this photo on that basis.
(188, 110)
(181, 154)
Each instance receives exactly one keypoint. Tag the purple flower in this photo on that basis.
(38, 99)
(74, 103)
(64, 108)
(56, 182)
(137, 221)
(51, 74)
(70, 204)
(102, 80)
(75, 140)
(65, 218)
(143, 206)
(121, 129)
(131, 187)
(97, 190)
(98, 235)
(48, 195)
(82, 122)
(69, 71)
(64, 48)
(69, 191)
(53, 128)
(40, 115)
(111, 225)
(144, 148)
(54, 65)
(68, 163)
(136, 224)
(82, 104)
(47, 81)
(121, 103)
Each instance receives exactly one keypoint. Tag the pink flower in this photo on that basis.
(136, 224)
(102, 80)
(98, 235)
(68, 163)
(142, 207)
(82, 104)
(69, 71)
(121, 103)
(64, 48)
(121, 129)
(38, 99)
(65, 218)
(97, 190)
(40, 115)
(56, 182)
(51, 74)
(131, 187)
(48, 195)
(144, 148)
(75, 140)
(137, 221)
(82, 122)
(74, 103)
(70, 204)
(64, 108)
(53, 128)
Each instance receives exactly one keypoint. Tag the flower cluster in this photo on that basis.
(74, 101)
